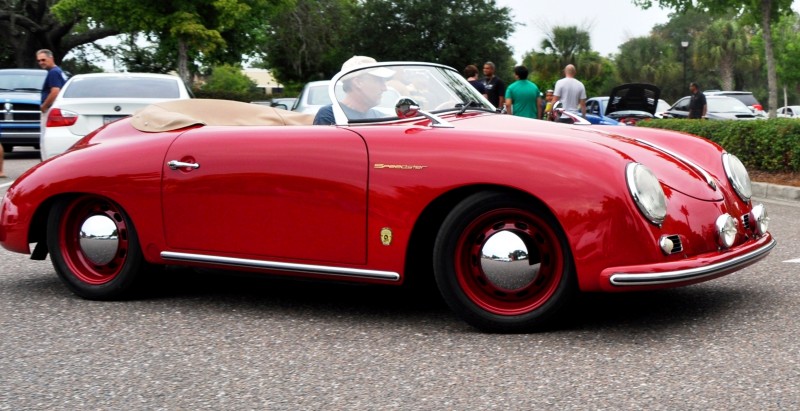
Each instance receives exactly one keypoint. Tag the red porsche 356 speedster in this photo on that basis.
(511, 216)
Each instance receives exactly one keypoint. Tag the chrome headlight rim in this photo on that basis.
(737, 176)
(647, 193)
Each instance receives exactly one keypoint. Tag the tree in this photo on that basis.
(761, 12)
(787, 45)
(308, 39)
(451, 32)
(566, 43)
(194, 28)
(27, 26)
(724, 45)
(229, 78)
(569, 45)
(651, 59)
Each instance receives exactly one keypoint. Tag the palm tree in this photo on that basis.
(720, 48)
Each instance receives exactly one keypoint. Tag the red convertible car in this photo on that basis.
(511, 216)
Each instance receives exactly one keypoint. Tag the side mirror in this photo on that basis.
(406, 107)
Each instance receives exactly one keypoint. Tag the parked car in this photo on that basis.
(20, 94)
(313, 97)
(789, 111)
(719, 108)
(511, 217)
(745, 97)
(595, 112)
(627, 104)
(661, 108)
(89, 101)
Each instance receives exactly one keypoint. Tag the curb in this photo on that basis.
(775, 192)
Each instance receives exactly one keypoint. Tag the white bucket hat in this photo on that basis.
(359, 61)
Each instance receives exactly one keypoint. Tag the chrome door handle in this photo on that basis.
(175, 164)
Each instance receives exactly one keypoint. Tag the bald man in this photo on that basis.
(571, 92)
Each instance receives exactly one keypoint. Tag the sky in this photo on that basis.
(609, 22)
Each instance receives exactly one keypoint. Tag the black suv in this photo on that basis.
(20, 97)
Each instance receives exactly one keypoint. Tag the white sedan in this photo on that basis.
(88, 101)
(789, 111)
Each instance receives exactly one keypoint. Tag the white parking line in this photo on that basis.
(796, 260)
(6, 184)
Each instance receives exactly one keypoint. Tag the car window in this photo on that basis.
(726, 105)
(747, 99)
(682, 104)
(318, 95)
(26, 81)
(131, 87)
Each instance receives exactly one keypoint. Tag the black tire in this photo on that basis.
(109, 274)
(522, 291)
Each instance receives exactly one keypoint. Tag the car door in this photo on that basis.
(293, 193)
(680, 109)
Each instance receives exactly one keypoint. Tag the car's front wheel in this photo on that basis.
(503, 264)
(94, 247)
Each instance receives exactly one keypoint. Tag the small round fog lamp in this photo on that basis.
(761, 218)
(726, 230)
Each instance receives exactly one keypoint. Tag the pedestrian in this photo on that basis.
(471, 74)
(571, 92)
(53, 82)
(548, 104)
(523, 97)
(697, 104)
(495, 88)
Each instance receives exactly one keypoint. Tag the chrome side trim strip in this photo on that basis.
(274, 265)
(635, 279)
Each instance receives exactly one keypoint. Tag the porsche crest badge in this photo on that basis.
(386, 236)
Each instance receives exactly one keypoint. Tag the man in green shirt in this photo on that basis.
(523, 97)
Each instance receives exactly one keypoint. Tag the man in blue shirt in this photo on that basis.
(363, 92)
(53, 82)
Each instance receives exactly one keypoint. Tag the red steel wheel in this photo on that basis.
(502, 263)
(93, 246)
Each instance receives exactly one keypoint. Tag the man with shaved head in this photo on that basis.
(570, 92)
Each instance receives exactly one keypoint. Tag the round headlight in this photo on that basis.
(761, 218)
(726, 230)
(647, 192)
(737, 175)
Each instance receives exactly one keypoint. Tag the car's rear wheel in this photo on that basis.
(94, 247)
(503, 264)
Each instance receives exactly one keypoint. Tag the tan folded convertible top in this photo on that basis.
(177, 114)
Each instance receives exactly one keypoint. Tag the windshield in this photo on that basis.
(22, 80)
(122, 86)
(370, 94)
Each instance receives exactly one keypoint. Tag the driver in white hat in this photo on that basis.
(363, 91)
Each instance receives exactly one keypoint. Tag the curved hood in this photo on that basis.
(673, 169)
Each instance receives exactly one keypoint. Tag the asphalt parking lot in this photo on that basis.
(214, 340)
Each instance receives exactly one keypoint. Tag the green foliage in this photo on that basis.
(309, 39)
(451, 32)
(229, 78)
(570, 45)
(766, 145)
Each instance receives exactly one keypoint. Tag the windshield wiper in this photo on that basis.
(26, 89)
